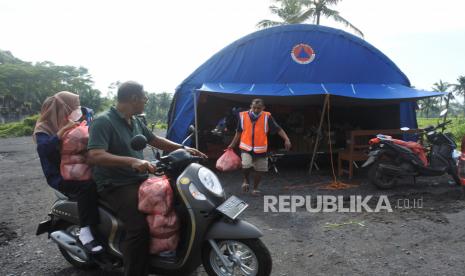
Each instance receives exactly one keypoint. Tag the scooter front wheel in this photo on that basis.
(237, 257)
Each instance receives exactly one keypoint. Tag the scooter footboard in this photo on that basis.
(238, 229)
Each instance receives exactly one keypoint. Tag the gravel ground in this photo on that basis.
(408, 241)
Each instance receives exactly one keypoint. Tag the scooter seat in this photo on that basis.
(61, 195)
(428, 171)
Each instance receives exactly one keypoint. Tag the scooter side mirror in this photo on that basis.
(192, 129)
(138, 142)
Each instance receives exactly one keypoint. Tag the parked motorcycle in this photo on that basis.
(211, 232)
(391, 159)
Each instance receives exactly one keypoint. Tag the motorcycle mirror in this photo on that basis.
(138, 142)
(191, 129)
(444, 112)
(405, 128)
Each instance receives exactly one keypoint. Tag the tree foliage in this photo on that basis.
(300, 11)
(431, 107)
(157, 107)
(31, 84)
(459, 89)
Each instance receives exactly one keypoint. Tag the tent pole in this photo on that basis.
(318, 134)
(196, 122)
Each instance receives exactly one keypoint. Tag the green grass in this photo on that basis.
(16, 129)
(457, 128)
(161, 126)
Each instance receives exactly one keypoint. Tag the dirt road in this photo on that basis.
(421, 241)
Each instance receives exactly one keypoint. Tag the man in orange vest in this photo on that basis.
(252, 132)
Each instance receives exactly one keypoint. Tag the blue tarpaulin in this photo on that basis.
(296, 61)
(359, 91)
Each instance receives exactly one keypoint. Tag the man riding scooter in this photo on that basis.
(119, 170)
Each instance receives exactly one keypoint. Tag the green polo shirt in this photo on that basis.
(111, 132)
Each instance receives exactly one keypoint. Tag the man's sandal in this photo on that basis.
(245, 187)
(256, 192)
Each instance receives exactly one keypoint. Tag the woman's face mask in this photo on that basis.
(75, 115)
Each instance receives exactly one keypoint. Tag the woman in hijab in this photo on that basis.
(59, 114)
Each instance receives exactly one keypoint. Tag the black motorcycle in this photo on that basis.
(391, 160)
(211, 234)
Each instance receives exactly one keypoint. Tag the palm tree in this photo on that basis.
(289, 12)
(428, 105)
(443, 87)
(299, 11)
(460, 89)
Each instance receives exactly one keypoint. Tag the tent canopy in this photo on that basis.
(375, 92)
(302, 61)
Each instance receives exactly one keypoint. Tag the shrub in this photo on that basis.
(16, 129)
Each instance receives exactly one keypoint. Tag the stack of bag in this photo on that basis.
(156, 200)
(73, 149)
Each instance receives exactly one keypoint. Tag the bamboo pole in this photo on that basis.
(318, 134)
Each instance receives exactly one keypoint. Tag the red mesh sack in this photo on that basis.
(75, 140)
(229, 161)
(159, 245)
(461, 168)
(74, 167)
(73, 162)
(415, 147)
(163, 226)
(155, 196)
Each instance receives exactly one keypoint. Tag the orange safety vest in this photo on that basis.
(254, 134)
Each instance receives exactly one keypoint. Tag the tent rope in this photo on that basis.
(335, 185)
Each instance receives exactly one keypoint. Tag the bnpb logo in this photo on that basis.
(302, 53)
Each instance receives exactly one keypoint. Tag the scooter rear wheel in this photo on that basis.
(380, 180)
(248, 257)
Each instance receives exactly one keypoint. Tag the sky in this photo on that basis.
(159, 43)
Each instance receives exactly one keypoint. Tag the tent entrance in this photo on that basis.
(299, 118)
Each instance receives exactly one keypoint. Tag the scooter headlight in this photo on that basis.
(210, 181)
(196, 193)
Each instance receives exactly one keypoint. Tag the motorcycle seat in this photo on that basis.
(101, 202)
(61, 195)
(104, 204)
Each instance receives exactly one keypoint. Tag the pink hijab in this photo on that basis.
(54, 113)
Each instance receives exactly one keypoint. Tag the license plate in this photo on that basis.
(232, 207)
(44, 227)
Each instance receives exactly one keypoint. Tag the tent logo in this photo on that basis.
(302, 53)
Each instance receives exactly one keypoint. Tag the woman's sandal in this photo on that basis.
(245, 187)
(91, 245)
(256, 192)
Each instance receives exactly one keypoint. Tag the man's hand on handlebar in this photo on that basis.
(196, 152)
(143, 166)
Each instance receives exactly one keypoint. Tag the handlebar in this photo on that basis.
(432, 128)
(162, 167)
(159, 166)
(443, 124)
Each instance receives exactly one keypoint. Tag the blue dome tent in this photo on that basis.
(296, 65)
